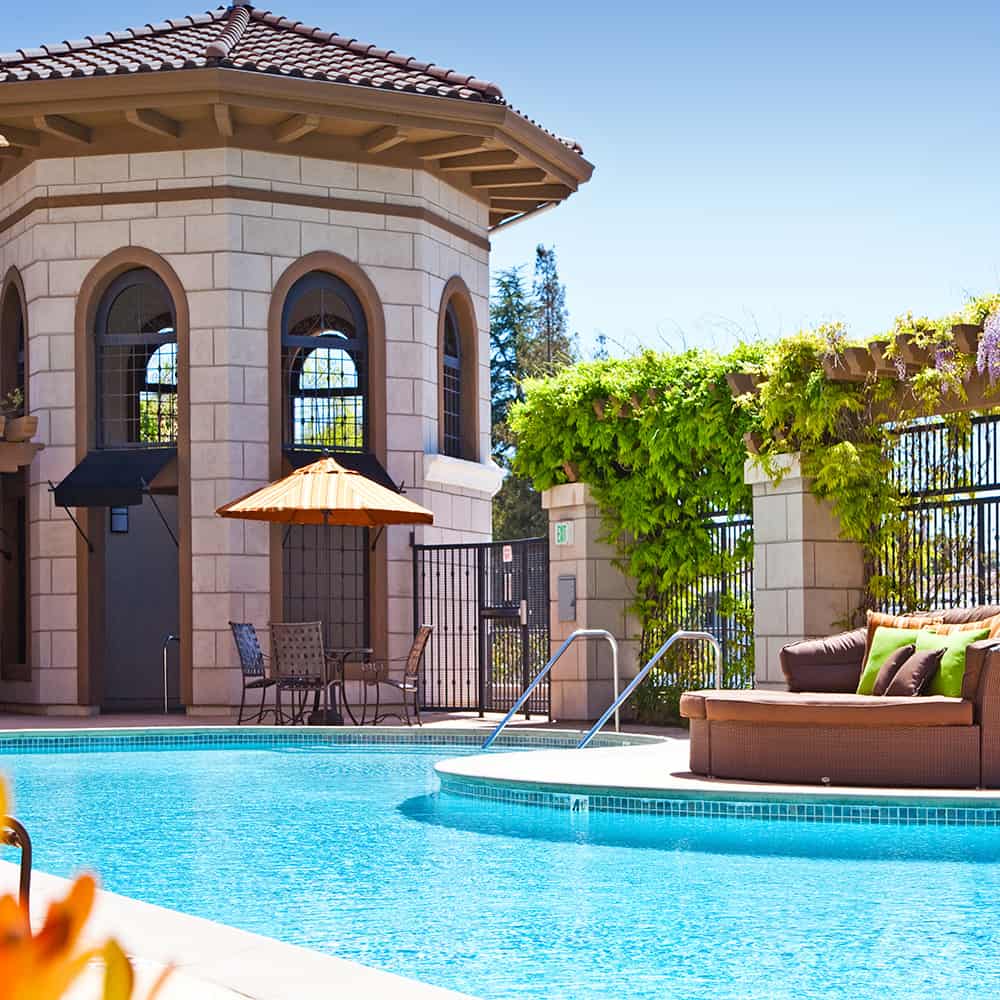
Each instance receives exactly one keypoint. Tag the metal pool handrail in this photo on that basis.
(580, 633)
(637, 680)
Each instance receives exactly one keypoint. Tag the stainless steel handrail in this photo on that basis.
(580, 633)
(637, 680)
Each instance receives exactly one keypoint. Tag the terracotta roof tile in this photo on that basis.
(247, 39)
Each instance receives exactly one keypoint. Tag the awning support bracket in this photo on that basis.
(378, 535)
(76, 523)
(156, 507)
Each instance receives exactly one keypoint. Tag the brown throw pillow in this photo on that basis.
(915, 674)
(888, 669)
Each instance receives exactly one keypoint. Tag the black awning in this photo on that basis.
(364, 462)
(113, 477)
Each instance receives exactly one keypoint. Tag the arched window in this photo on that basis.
(451, 384)
(15, 661)
(324, 340)
(136, 363)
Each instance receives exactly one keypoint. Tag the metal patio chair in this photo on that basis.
(407, 684)
(13, 834)
(302, 667)
(253, 664)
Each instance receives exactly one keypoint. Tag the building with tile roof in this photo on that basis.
(185, 207)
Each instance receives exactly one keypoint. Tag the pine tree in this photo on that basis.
(512, 315)
(529, 336)
(552, 347)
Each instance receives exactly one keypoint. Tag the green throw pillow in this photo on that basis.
(948, 679)
(884, 643)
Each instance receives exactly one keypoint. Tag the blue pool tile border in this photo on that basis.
(263, 737)
(885, 814)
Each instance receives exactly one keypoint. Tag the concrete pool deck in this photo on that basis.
(213, 961)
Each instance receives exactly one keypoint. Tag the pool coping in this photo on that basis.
(206, 953)
(102, 739)
(654, 780)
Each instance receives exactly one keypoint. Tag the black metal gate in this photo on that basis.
(948, 554)
(489, 605)
(719, 603)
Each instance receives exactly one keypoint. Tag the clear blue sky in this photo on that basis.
(759, 166)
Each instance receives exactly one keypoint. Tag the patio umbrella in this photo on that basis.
(327, 493)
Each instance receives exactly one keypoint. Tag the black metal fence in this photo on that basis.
(489, 605)
(948, 554)
(720, 604)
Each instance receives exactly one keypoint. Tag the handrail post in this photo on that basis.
(580, 633)
(166, 643)
(639, 677)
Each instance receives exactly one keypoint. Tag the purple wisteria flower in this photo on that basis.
(944, 362)
(988, 357)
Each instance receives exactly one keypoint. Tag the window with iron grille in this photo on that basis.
(324, 340)
(136, 364)
(451, 385)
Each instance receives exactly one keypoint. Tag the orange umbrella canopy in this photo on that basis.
(327, 493)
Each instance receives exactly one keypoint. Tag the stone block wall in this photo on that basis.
(582, 683)
(808, 582)
(228, 252)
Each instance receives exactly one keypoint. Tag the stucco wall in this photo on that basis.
(228, 254)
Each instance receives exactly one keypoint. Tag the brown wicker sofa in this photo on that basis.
(821, 732)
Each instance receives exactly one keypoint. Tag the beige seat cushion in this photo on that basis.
(693, 704)
(790, 708)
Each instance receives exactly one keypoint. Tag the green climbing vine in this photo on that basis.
(661, 441)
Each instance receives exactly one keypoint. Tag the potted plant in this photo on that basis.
(16, 426)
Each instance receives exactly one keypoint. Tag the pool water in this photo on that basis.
(351, 851)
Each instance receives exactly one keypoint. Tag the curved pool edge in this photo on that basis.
(654, 780)
(108, 738)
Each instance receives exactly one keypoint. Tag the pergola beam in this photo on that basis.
(10, 152)
(65, 128)
(294, 128)
(382, 139)
(151, 120)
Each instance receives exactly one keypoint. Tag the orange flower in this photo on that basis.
(43, 966)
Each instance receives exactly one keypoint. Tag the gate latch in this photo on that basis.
(524, 612)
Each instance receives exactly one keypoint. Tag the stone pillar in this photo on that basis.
(807, 581)
(582, 682)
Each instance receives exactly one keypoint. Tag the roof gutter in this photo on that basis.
(534, 213)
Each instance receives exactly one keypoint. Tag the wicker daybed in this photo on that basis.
(821, 732)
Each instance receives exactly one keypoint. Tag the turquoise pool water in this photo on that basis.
(352, 852)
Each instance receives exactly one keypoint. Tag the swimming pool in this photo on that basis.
(352, 851)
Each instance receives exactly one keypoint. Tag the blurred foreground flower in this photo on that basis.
(43, 966)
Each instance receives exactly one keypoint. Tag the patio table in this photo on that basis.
(335, 661)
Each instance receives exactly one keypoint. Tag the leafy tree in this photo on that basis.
(529, 337)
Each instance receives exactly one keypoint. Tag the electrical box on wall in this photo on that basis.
(566, 591)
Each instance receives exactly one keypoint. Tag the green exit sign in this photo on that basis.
(564, 532)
